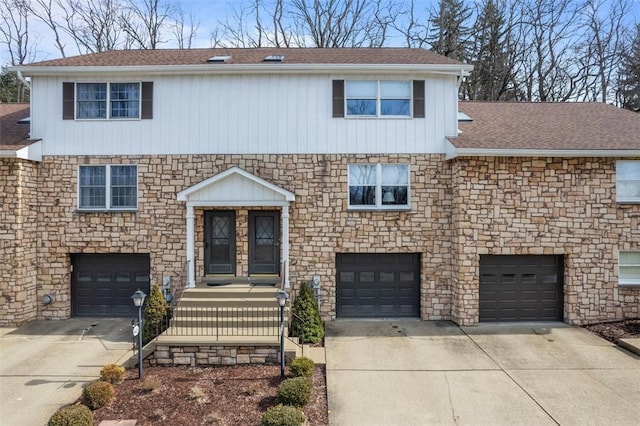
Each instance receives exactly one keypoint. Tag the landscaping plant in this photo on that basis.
(72, 415)
(156, 315)
(301, 367)
(97, 394)
(283, 415)
(295, 391)
(305, 321)
(112, 373)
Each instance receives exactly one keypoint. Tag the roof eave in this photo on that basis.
(453, 152)
(44, 70)
(31, 152)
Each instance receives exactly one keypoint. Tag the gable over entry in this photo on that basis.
(235, 187)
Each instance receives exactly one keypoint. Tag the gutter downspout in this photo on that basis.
(460, 77)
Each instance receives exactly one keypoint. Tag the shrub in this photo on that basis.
(295, 391)
(305, 321)
(97, 394)
(197, 393)
(112, 373)
(72, 415)
(301, 367)
(151, 383)
(156, 315)
(283, 415)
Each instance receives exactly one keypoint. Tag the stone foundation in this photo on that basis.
(178, 355)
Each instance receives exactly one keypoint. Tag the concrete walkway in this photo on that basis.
(45, 364)
(435, 373)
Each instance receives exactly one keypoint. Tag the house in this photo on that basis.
(355, 169)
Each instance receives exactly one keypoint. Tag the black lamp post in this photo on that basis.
(282, 301)
(138, 300)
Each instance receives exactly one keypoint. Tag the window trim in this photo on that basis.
(630, 282)
(108, 101)
(379, 100)
(626, 200)
(108, 186)
(378, 196)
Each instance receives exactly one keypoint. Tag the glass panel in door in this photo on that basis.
(264, 238)
(220, 242)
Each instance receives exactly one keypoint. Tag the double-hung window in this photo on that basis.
(107, 100)
(379, 186)
(629, 268)
(628, 181)
(112, 187)
(373, 98)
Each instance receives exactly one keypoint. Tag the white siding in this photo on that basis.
(260, 114)
(234, 190)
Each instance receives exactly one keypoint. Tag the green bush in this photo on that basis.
(72, 415)
(156, 315)
(112, 373)
(97, 394)
(283, 415)
(295, 391)
(301, 367)
(305, 321)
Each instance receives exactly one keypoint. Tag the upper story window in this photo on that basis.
(112, 187)
(628, 181)
(629, 268)
(379, 98)
(379, 186)
(107, 101)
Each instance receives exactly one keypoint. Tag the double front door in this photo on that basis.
(222, 241)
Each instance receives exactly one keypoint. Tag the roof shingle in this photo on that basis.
(548, 126)
(13, 135)
(254, 56)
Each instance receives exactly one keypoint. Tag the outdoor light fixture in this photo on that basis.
(138, 300)
(282, 301)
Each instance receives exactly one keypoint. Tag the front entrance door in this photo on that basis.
(220, 242)
(264, 235)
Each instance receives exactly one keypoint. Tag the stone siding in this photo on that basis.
(321, 224)
(207, 355)
(528, 206)
(19, 295)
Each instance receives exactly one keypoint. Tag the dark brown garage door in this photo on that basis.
(521, 288)
(377, 285)
(102, 284)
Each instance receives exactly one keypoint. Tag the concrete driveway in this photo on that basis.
(45, 364)
(435, 373)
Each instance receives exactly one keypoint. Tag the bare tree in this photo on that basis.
(184, 27)
(14, 30)
(44, 11)
(144, 22)
(92, 24)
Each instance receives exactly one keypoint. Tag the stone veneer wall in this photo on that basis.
(19, 296)
(518, 206)
(204, 355)
(321, 225)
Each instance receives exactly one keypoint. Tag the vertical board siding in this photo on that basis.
(269, 114)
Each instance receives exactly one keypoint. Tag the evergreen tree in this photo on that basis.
(449, 32)
(11, 88)
(156, 315)
(629, 76)
(306, 322)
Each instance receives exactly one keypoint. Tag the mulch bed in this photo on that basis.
(616, 330)
(235, 395)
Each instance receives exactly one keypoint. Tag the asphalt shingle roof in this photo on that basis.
(254, 56)
(548, 126)
(13, 135)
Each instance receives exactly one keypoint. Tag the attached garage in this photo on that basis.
(377, 285)
(521, 288)
(102, 284)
